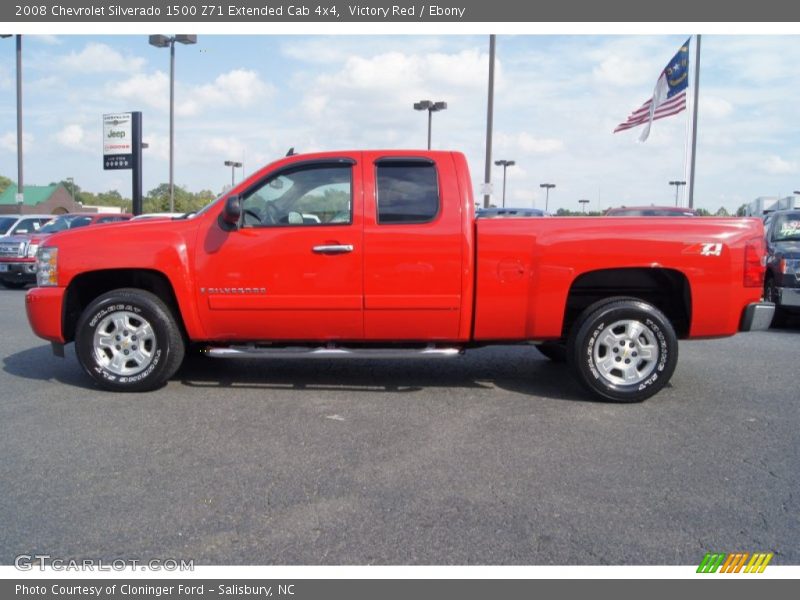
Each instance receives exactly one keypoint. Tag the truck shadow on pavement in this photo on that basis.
(517, 369)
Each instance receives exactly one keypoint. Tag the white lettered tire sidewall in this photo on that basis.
(584, 338)
(168, 348)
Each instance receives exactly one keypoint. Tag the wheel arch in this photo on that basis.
(84, 288)
(668, 290)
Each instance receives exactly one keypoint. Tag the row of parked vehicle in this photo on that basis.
(21, 236)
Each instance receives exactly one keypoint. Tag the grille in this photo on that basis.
(15, 249)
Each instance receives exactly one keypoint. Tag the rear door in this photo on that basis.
(412, 247)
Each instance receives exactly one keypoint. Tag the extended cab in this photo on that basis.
(378, 253)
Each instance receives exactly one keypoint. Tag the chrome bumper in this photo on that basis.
(757, 316)
(789, 297)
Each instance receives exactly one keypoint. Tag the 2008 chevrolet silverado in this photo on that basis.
(378, 253)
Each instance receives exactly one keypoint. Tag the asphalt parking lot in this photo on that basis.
(493, 458)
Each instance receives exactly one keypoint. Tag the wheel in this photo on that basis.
(555, 351)
(771, 295)
(13, 285)
(623, 350)
(127, 340)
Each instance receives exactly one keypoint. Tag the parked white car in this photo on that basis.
(19, 224)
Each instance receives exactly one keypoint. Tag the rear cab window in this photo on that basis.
(407, 191)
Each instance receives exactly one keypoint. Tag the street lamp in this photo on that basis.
(71, 187)
(547, 187)
(163, 41)
(431, 107)
(20, 183)
(677, 185)
(505, 164)
(584, 202)
(233, 165)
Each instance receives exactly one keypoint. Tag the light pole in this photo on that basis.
(71, 187)
(20, 183)
(233, 165)
(431, 107)
(547, 187)
(163, 41)
(584, 202)
(677, 185)
(505, 164)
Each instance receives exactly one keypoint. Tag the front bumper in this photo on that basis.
(44, 306)
(757, 316)
(18, 271)
(789, 297)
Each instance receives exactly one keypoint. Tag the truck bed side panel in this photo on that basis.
(525, 268)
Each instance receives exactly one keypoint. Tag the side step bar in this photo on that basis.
(254, 351)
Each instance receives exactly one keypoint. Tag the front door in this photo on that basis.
(294, 270)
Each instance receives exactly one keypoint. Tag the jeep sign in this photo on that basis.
(118, 141)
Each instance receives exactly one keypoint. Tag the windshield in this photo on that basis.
(64, 223)
(5, 224)
(787, 228)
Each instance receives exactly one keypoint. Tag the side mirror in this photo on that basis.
(232, 213)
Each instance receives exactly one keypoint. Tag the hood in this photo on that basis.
(25, 238)
(790, 249)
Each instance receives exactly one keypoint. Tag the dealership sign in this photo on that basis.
(118, 141)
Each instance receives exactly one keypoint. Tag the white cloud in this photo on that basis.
(71, 136)
(8, 141)
(526, 143)
(50, 40)
(238, 88)
(622, 71)
(100, 58)
(775, 165)
(715, 107)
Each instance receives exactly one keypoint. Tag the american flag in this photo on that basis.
(669, 95)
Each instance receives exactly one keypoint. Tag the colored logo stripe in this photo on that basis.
(733, 563)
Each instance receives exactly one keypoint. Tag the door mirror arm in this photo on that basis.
(231, 216)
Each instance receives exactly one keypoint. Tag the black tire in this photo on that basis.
(555, 351)
(121, 314)
(779, 318)
(649, 353)
(13, 285)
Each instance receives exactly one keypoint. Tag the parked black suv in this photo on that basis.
(782, 281)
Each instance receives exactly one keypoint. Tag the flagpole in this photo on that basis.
(694, 118)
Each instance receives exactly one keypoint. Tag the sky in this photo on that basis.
(558, 98)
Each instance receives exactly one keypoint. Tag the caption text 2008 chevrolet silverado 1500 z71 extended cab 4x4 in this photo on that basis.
(378, 253)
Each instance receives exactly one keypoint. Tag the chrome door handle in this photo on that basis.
(333, 248)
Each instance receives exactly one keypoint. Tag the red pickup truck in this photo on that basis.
(378, 253)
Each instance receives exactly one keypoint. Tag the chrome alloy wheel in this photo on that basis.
(626, 352)
(124, 343)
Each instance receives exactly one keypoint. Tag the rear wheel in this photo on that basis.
(127, 340)
(623, 350)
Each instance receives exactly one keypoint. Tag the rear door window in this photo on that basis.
(407, 191)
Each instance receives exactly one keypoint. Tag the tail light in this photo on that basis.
(755, 260)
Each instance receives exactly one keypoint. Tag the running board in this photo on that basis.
(253, 351)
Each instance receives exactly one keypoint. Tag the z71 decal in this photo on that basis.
(705, 249)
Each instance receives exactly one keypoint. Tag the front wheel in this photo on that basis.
(624, 350)
(127, 340)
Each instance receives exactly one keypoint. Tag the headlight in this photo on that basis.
(790, 266)
(32, 248)
(47, 267)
